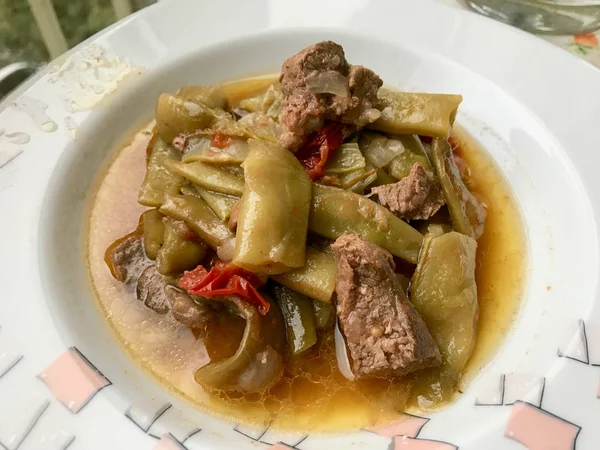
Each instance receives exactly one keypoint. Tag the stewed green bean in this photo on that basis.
(468, 215)
(160, 180)
(443, 290)
(154, 230)
(176, 115)
(273, 217)
(335, 212)
(416, 113)
(195, 212)
(316, 279)
(178, 254)
(299, 318)
(209, 176)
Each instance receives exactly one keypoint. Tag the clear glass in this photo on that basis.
(543, 16)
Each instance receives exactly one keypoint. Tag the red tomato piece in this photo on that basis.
(314, 154)
(225, 279)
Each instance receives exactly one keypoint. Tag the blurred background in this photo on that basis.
(33, 32)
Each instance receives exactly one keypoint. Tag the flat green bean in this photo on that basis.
(195, 212)
(154, 230)
(195, 147)
(415, 113)
(299, 318)
(383, 178)
(209, 176)
(235, 153)
(413, 153)
(324, 315)
(257, 363)
(467, 214)
(316, 279)
(160, 180)
(211, 96)
(175, 115)
(221, 204)
(178, 254)
(335, 212)
(273, 217)
(444, 292)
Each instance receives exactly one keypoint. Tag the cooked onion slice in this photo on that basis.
(341, 354)
(328, 82)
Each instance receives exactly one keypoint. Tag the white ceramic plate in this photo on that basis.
(534, 107)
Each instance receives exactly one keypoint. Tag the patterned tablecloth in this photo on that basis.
(585, 45)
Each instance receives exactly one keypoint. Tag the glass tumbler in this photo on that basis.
(543, 16)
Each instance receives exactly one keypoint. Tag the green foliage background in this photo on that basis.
(20, 39)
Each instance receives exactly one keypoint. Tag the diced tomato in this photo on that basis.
(225, 279)
(220, 140)
(193, 278)
(314, 154)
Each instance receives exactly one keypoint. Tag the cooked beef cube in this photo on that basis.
(185, 310)
(318, 84)
(416, 196)
(384, 333)
(126, 257)
(150, 290)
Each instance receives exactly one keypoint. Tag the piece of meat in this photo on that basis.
(364, 85)
(150, 290)
(126, 257)
(416, 196)
(384, 333)
(304, 112)
(188, 312)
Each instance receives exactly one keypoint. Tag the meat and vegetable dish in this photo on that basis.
(316, 239)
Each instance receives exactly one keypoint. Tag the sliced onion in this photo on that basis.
(379, 150)
(328, 82)
(341, 354)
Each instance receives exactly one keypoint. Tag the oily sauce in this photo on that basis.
(312, 395)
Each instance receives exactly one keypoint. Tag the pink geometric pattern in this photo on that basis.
(410, 427)
(168, 442)
(73, 380)
(406, 443)
(279, 447)
(537, 429)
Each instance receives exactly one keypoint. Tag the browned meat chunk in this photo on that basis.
(384, 333)
(415, 196)
(364, 84)
(153, 290)
(126, 257)
(188, 312)
(150, 290)
(318, 84)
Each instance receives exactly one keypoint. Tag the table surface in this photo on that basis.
(586, 46)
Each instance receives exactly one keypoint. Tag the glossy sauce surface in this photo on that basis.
(312, 394)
